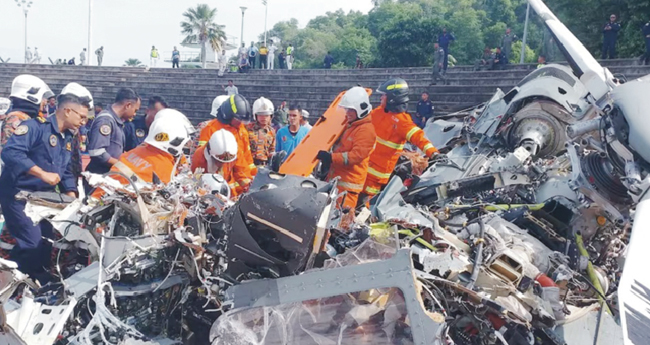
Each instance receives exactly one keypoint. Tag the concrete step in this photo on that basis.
(192, 91)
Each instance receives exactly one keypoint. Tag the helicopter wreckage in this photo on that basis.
(521, 232)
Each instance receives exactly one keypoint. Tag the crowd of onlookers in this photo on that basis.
(261, 56)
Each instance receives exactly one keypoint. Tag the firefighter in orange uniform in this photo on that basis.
(351, 154)
(261, 134)
(218, 157)
(156, 159)
(232, 116)
(394, 128)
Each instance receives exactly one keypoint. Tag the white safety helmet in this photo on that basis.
(357, 98)
(263, 106)
(216, 104)
(305, 114)
(81, 92)
(5, 103)
(169, 132)
(216, 184)
(172, 113)
(222, 147)
(29, 88)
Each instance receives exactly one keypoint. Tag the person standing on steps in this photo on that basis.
(271, 58)
(328, 61)
(289, 57)
(82, 57)
(438, 64)
(100, 55)
(252, 55)
(264, 53)
(28, 55)
(506, 43)
(243, 52)
(223, 63)
(281, 59)
(646, 36)
(176, 58)
(358, 63)
(610, 35)
(444, 39)
(154, 56)
(231, 89)
(37, 57)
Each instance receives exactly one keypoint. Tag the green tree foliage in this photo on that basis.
(133, 63)
(199, 27)
(401, 33)
(586, 18)
(530, 56)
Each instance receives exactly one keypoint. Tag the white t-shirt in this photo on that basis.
(232, 90)
(272, 49)
(243, 51)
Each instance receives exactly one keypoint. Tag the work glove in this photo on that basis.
(276, 160)
(325, 157)
(326, 162)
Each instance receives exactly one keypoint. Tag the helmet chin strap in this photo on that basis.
(396, 108)
(178, 160)
(24, 106)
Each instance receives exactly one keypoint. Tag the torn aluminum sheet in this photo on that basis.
(391, 205)
(596, 327)
(38, 323)
(293, 293)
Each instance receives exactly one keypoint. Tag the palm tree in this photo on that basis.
(199, 27)
(132, 62)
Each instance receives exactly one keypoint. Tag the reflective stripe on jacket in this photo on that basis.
(351, 155)
(393, 131)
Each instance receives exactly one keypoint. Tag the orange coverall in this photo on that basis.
(245, 169)
(350, 159)
(393, 130)
(145, 160)
(226, 170)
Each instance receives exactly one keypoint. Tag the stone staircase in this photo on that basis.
(192, 90)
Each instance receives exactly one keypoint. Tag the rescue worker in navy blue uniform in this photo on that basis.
(424, 111)
(38, 158)
(646, 37)
(106, 140)
(444, 39)
(136, 131)
(610, 34)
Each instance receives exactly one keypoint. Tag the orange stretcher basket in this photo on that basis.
(322, 136)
